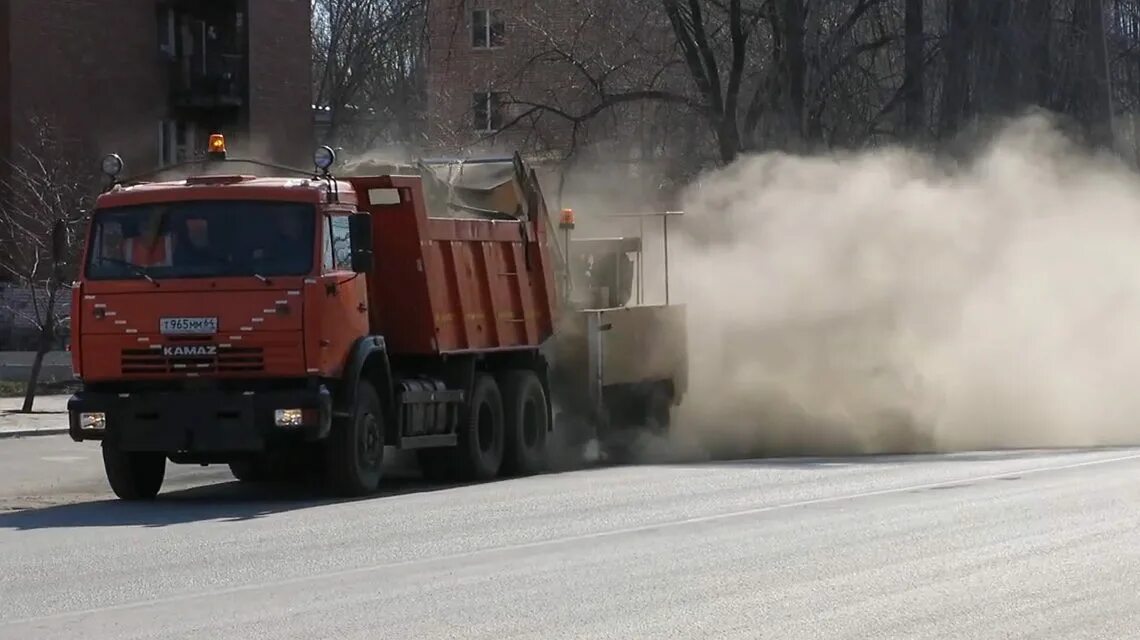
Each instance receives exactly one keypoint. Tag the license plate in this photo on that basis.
(188, 326)
(190, 350)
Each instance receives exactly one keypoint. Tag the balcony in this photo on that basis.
(217, 82)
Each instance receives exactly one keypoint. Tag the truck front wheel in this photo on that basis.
(355, 448)
(134, 475)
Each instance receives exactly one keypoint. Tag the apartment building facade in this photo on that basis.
(507, 75)
(151, 79)
(528, 64)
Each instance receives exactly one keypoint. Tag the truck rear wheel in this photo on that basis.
(134, 475)
(527, 421)
(480, 450)
(355, 449)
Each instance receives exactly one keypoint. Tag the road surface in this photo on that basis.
(1009, 545)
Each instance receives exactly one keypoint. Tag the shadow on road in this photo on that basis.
(202, 499)
(225, 502)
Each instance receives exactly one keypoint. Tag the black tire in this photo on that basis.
(527, 421)
(479, 455)
(252, 469)
(354, 453)
(134, 475)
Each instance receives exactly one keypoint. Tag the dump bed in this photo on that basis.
(451, 279)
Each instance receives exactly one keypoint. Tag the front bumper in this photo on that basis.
(210, 421)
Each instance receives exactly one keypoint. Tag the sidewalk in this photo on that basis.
(49, 416)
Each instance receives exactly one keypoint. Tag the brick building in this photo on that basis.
(487, 57)
(150, 79)
(490, 62)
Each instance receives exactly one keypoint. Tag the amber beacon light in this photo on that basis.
(216, 148)
(566, 220)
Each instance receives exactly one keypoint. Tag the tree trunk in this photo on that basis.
(915, 115)
(955, 93)
(795, 66)
(1100, 115)
(1037, 85)
(1004, 72)
(47, 337)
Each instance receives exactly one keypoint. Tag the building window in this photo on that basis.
(487, 28)
(177, 141)
(167, 142)
(488, 109)
(167, 32)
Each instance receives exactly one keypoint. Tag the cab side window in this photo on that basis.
(337, 246)
(329, 259)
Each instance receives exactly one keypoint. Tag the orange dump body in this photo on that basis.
(453, 285)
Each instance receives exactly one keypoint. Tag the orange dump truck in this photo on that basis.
(299, 322)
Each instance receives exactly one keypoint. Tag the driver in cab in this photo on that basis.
(152, 246)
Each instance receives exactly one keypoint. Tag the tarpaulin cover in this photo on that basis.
(455, 188)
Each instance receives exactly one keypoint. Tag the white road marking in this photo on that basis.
(272, 584)
(63, 458)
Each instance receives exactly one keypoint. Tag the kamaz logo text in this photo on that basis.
(190, 351)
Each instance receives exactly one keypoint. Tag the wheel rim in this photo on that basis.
(486, 428)
(371, 442)
(530, 430)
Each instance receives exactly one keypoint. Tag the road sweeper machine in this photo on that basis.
(283, 321)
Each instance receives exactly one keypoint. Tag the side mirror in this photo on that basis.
(58, 248)
(360, 236)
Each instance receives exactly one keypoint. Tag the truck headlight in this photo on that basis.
(92, 421)
(289, 417)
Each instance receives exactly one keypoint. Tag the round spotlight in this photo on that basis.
(112, 164)
(324, 158)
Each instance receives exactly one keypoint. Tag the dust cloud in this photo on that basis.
(891, 302)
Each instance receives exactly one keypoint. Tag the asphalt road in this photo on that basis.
(1009, 545)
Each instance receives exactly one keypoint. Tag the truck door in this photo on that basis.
(344, 308)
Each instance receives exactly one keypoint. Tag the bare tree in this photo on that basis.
(757, 73)
(915, 44)
(367, 68)
(41, 200)
(707, 80)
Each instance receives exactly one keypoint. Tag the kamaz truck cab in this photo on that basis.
(211, 314)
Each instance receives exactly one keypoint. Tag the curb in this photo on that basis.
(23, 433)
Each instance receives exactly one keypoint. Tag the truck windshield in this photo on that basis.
(202, 239)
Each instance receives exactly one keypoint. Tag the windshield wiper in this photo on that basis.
(136, 269)
(263, 278)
